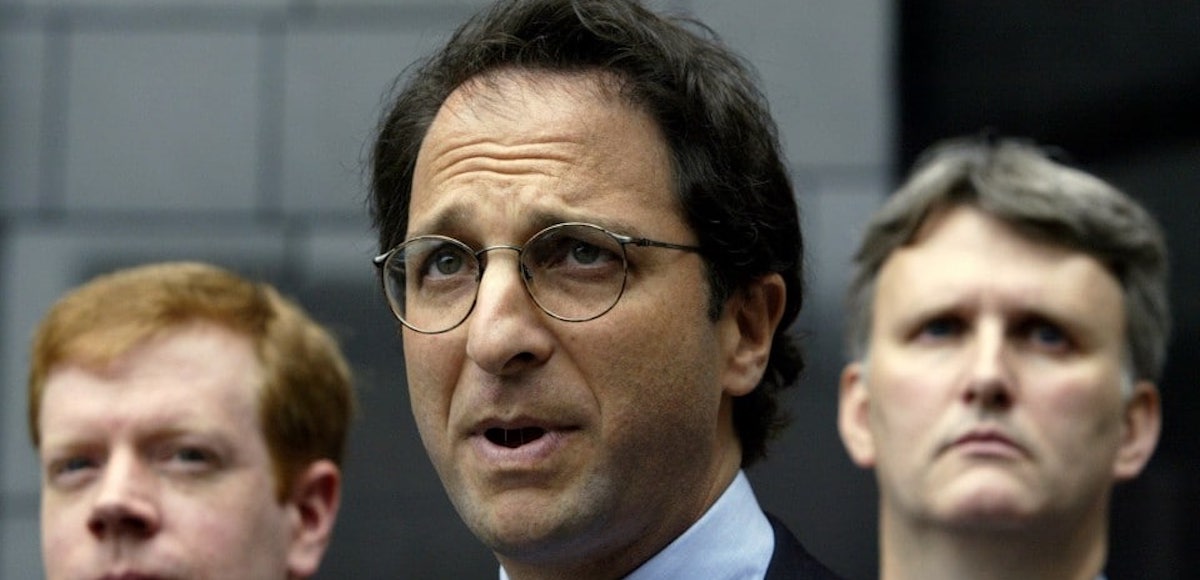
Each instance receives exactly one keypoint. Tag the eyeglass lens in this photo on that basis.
(573, 272)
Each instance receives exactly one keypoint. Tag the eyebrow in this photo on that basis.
(446, 220)
(914, 316)
(453, 221)
(1070, 321)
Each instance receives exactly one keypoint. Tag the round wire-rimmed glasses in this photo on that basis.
(573, 271)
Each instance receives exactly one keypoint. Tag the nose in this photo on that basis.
(506, 333)
(990, 382)
(125, 503)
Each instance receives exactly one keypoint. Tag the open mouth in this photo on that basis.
(513, 438)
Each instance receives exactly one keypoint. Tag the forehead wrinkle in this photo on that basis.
(462, 172)
(485, 124)
(489, 124)
(475, 156)
(534, 151)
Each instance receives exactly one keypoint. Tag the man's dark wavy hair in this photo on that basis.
(729, 173)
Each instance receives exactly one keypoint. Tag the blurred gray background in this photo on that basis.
(234, 131)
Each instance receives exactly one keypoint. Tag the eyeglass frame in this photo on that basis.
(623, 240)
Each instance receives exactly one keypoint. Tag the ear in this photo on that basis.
(1142, 423)
(854, 415)
(748, 326)
(314, 501)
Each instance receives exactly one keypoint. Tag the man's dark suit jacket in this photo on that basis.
(791, 561)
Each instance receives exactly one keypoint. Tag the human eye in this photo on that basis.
(435, 265)
(70, 470)
(444, 260)
(188, 458)
(1045, 335)
(575, 250)
(584, 253)
(75, 464)
(192, 455)
(940, 328)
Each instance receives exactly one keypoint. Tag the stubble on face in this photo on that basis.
(637, 386)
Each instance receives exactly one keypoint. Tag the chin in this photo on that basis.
(993, 521)
(991, 511)
(517, 535)
(525, 543)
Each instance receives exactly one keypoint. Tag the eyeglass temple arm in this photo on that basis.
(644, 242)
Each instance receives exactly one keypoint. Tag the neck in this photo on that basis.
(1042, 550)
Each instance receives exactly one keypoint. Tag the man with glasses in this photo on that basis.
(1008, 322)
(590, 240)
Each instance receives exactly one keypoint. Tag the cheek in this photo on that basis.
(1080, 413)
(649, 379)
(234, 527)
(904, 401)
(64, 529)
(432, 367)
(62, 526)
